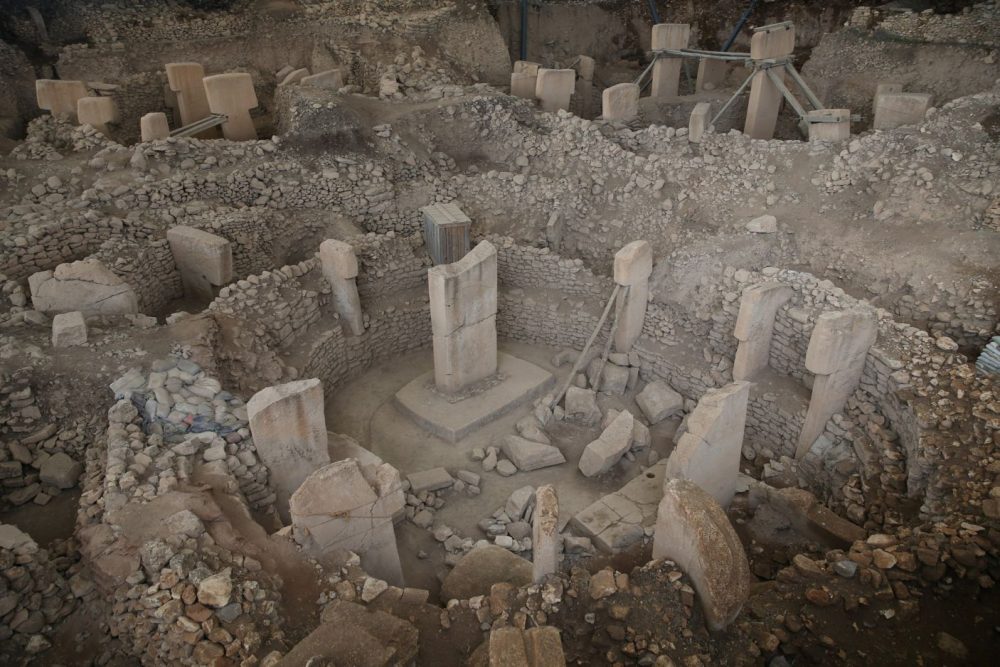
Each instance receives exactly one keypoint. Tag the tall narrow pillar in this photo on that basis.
(836, 355)
(463, 298)
(755, 326)
(185, 80)
(633, 266)
(233, 96)
(98, 112)
(340, 268)
(585, 85)
(554, 88)
(545, 533)
(666, 69)
(204, 260)
(765, 99)
(153, 126)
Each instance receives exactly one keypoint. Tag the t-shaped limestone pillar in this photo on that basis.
(185, 80)
(97, 112)
(204, 260)
(463, 299)
(289, 432)
(524, 79)
(554, 88)
(633, 266)
(153, 126)
(340, 268)
(233, 96)
(545, 533)
(755, 325)
(667, 69)
(776, 41)
(59, 97)
(837, 351)
(620, 102)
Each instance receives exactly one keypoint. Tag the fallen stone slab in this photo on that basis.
(528, 455)
(430, 480)
(482, 567)
(808, 516)
(602, 454)
(619, 520)
(60, 471)
(658, 401)
(86, 286)
(693, 531)
(581, 406)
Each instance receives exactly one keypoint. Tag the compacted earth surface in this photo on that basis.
(723, 395)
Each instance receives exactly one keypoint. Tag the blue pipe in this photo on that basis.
(654, 12)
(524, 29)
(739, 25)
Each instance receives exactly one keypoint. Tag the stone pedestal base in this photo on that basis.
(452, 417)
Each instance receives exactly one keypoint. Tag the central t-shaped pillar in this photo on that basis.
(769, 42)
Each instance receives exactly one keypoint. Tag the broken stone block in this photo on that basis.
(520, 502)
(477, 571)
(351, 634)
(154, 126)
(98, 112)
(86, 286)
(693, 531)
(614, 378)
(698, 122)
(581, 405)
(554, 87)
(69, 329)
(893, 110)
(765, 224)
(658, 401)
(620, 102)
(545, 533)
(602, 454)
(204, 260)
(60, 471)
(528, 455)
(430, 480)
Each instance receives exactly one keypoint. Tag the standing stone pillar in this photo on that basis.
(765, 98)
(633, 266)
(895, 109)
(524, 79)
(340, 268)
(59, 97)
(463, 298)
(755, 326)
(711, 74)
(698, 122)
(620, 102)
(98, 112)
(554, 88)
(836, 355)
(289, 431)
(204, 260)
(185, 80)
(585, 85)
(154, 126)
(666, 69)
(545, 533)
(233, 96)
(709, 452)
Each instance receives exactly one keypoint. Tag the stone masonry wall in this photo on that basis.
(149, 268)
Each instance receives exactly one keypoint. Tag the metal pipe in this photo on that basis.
(654, 12)
(739, 25)
(787, 94)
(733, 98)
(524, 29)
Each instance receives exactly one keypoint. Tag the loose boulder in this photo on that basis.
(602, 454)
(482, 567)
(658, 401)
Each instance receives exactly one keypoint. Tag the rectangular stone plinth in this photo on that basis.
(518, 382)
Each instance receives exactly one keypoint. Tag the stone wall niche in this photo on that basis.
(755, 327)
(836, 355)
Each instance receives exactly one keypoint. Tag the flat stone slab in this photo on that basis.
(619, 519)
(456, 416)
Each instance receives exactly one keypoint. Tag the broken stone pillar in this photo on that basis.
(524, 79)
(829, 124)
(87, 286)
(98, 112)
(289, 432)
(154, 126)
(693, 531)
(233, 96)
(755, 326)
(633, 266)
(69, 329)
(895, 109)
(338, 507)
(554, 88)
(602, 454)
(545, 533)
(185, 80)
(765, 99)
(667, 69)
(836, 355)
(698, 122)
(340, 268)
(620, 102)
(59, 97)
(331, 79)
(708, 453)
(204, 260)
(509, 646)
(711, 74)
(463, 298)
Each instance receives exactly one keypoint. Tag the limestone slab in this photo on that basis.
(602, 454)
(528, 455)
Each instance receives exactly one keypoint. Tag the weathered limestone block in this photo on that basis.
(69, 329)
(233, 96)
(581, 405)
(708, 454)
(837, 351)
(60, 471)
(620, 102)
(204, 260)
(507, 648)
(658, 400)
(340, 268)
(86, 286)
(98, 112)
(829, 124)
(528, 455)
(667, 70)
(765, 98)
(698, 122)
(482, 567)
(331, 79)
(895, 109)
(185, 80)
(351, 634)
(711, 74)
(289, 431)
(544, 646)
(433, 479)
(524, 79)
(584, 91)
(59, 97)
(554, 88)
(545, 533)
(755, 327)
(602, 454)
(336, 507)
(153, 126)
(692, 530)
(632, 268)
(463, 302)
(294, 77)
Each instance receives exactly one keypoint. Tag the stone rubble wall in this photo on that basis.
(149, 268)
